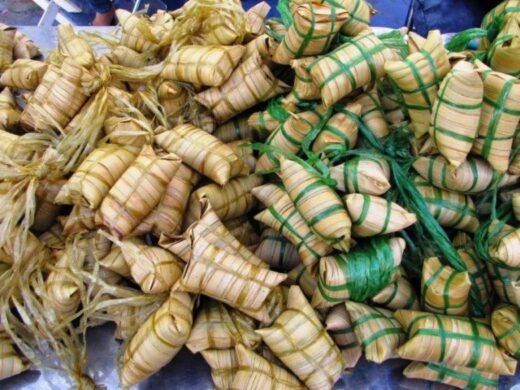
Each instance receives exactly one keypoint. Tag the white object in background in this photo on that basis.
(51, 11)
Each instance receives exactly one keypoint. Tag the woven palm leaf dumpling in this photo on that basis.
(281, 196)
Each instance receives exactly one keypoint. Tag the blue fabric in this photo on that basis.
(449, 15)
(101, 6)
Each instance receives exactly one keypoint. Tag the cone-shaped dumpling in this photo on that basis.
(202, 152)
(24, 74)
(257, 373)
(444, 290)
(290, 135)
(251, 83)
(376, 330)
(461, 377)
(398, 295)
(218, 327)
(455, 341)
(341, 129)
(137, 191)
(456, 112)
(339, 326)
(228, 278)
(96, 175)
(362, 174)
(350, 66)
(499, 118)
(367, 211)
(158, 340)
(418, 78)
(450, 209)
(312, 31)
(299, 340)
(318, 204)
(505, 322)
(473, 176)
(359, 274)
(205, 65)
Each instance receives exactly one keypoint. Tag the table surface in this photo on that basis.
(188, 371)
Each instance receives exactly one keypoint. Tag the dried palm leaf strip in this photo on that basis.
(137, 33)
(72, 46)
(218, 327)
(392, 102)
(24, 74)
(96, 175)
(505, 323)
(243, 149)
(232, 200)
(137, 191)
(362, 174)
(418, 78)
(115, 261)
(283, 217)
(372, 113)
(9, 114)
(204, 65)
(223, 364)
(461, 377)
(456, 112)
(339, 326)
(341, 129)
(251, 83)
(202, 152)
(504, 53)
(476, 268)
(274, 249)
(290, 134)
(473, 176)
(301, 277)
(318, 204)
(359, 274)
(499, 118)
(377, 331)
(168, 215)
(7, 43)
(452, 340)
(352, 65)
(366, 212)
(300, 341)
(450, 209)
(312, 31)
(158, 340)
(229, 278)
(444, 290)
(255, 372)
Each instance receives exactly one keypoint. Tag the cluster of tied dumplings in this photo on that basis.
(281, 195)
